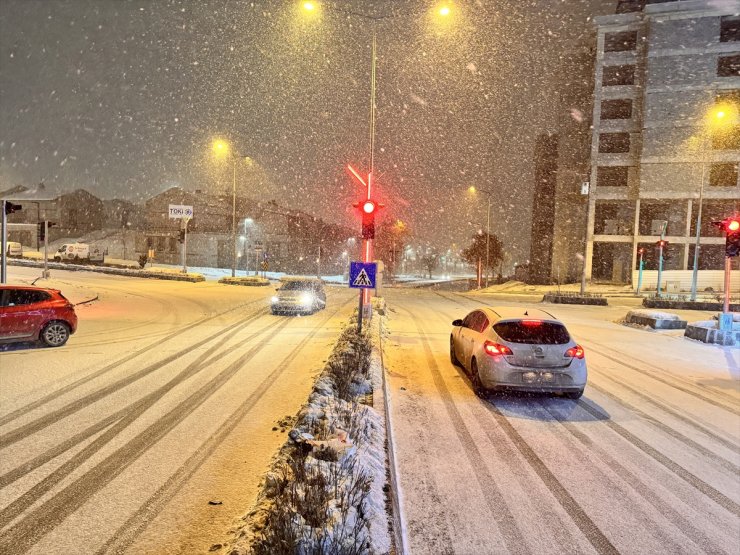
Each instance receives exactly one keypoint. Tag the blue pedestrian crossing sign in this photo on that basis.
(362, 275)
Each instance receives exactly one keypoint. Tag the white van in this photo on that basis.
(14, 249)
(81, 252)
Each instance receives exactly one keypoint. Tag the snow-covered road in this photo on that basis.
(646, 462)
(149, 431)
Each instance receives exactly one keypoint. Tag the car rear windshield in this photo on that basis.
(536, 333)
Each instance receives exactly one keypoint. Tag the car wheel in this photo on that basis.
(453, 358)
(475, 379)
(573, 394)
(55, 334)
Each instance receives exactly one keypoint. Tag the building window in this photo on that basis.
(612, 176)
(723, 175)
(727, 138)
(620, 42)
(610, 143)
(728, 66)
(616, 109)
(728, 97)
(729, 30)
(618, 75)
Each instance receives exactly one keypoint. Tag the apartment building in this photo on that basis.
(665, 144)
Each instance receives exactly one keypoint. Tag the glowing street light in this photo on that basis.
(444, 11)
(309, 6)
(221, 150)
(719, 117)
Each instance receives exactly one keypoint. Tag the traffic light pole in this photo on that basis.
(185, 245)
(46, 249)
(728, 269)
(4, 266)
(660, 268)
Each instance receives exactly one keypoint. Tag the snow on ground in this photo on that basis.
(648, 313)
(337, 440)
(646, 462)
(141, 336)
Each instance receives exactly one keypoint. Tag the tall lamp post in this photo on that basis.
(488, 193)
(222, 149)
(315, 8)
(716, 118)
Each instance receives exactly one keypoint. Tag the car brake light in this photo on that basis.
(575, 352)
(494, 349)
(532, 322)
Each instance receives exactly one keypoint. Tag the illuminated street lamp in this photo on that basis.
(222, 150)
(719, 117)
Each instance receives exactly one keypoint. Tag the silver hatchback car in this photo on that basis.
(505, 348)
(299, 295)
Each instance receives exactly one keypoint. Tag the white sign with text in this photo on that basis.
(178, 211)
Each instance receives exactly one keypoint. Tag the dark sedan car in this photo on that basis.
(35, 314)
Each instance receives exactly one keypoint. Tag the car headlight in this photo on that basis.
(274, 300)
(306, 299)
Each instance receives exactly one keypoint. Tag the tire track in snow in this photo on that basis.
(599, 475)
(715, 495)
(671, 465)
(135, 408)
(128, 416)
(40, 521)
(711, 455)
(733, 400)
(14, 415)
(136, 523)
(507, 525)
(576, 513)
(665, 508)
(693, 391)
(54, 416)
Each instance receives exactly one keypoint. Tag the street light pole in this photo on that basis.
(697, 245)
(488, 237)
(489, 195)
(233, 220)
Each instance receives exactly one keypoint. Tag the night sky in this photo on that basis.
(123, 98)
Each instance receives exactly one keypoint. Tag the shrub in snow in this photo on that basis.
(317, 497)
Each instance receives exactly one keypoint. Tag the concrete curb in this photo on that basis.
(656, 323)
(574, 299)
(399, 529)
(687, 305)
(726, 338)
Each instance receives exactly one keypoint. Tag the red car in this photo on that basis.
(35, 314)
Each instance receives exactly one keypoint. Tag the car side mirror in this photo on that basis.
(457, 322)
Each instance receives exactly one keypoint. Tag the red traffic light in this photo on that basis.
(368, 207)
(732, 225)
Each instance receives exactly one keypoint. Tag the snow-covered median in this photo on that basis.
(653, 314)
(325, 490)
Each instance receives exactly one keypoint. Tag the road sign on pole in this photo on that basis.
(178, 211)
(362, 275)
